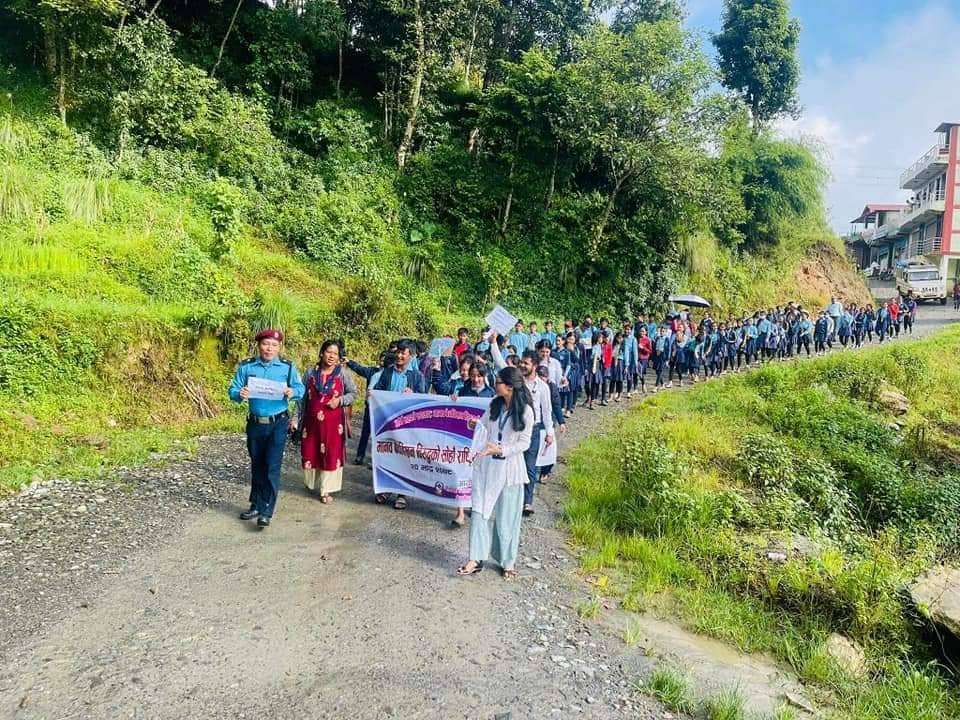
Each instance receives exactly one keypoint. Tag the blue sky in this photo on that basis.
(877, 77)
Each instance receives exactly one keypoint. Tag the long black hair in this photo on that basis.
(512, 378)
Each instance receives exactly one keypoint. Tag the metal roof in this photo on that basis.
(872, 208)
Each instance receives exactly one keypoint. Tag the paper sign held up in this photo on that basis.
(500, 320)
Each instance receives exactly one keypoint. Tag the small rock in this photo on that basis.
(776, 556)
(847, 654)
(800, 702)
(937, 594)
(894, 401)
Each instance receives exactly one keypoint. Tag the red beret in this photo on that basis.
(270, 334)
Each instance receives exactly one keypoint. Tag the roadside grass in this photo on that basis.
(683, 502)
(728, 704)
(672, 688)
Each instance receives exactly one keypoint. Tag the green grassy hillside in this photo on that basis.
(688, 502)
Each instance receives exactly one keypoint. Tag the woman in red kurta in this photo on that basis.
(323, 423)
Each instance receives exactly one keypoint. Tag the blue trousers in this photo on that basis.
(265, 444)
(530, 458)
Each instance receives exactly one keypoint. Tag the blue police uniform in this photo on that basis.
(266, 428)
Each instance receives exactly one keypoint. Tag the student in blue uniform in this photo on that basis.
(557, 414)
(569, 359)
(679, 358)
(662, 352)
(477, 386)
(630, 358)
(908, 310)
(549, 333)
(763, 330)
(518, 338)
(845, 327)
(751, 335)
(731, 342)
(804, 333)
(821, 332)
(533, 337)
(267, 421)
(883, 322)
(869, 321)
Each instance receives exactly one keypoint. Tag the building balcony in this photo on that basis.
(933, 163)
(887, 231)
(922, 212)
(927, 246)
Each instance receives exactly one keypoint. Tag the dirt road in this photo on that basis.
(146, 597)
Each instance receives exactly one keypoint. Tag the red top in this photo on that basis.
(894, 310)
(644, 347)
(460, 348)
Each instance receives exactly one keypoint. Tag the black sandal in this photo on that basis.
(462, 570)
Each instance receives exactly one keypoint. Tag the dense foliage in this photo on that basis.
(480, 146)
(175, 174)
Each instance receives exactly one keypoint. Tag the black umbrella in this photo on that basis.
(689, 300)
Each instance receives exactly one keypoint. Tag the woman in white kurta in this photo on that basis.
(499, 473)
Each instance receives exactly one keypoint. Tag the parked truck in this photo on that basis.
(923, 281)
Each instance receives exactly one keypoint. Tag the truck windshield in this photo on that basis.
(923, 275)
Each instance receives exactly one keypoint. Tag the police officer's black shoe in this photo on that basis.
(263, 521)
(249, 514)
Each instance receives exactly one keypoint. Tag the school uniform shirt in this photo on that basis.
(630, 352)
(821, 329)
(751, 332)
(519, 341)
(804, 328)
(397, 381)
(278, 370)
(763, 327)
(549, 336)
(484, 391)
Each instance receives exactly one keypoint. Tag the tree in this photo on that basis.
(757, 45)
(71, 30)
(518, 121)
(632, 12)
(778, 181)
(632, 104)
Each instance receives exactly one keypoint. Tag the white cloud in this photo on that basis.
(875, 114)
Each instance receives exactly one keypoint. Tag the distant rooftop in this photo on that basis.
(872, 208)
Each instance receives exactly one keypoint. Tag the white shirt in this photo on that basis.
(542, 413)
(539, 390)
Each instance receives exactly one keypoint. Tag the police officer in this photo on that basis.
(267, 421)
